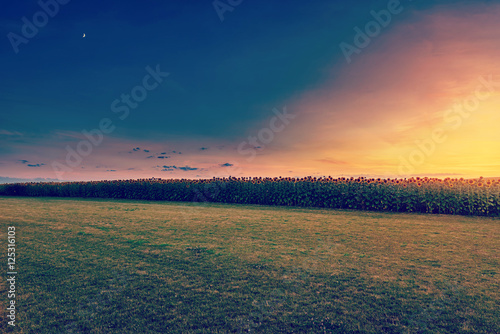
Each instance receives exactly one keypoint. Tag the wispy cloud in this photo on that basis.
(186, 168)
(10, 133)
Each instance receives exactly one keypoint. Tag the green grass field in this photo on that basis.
(123, 266)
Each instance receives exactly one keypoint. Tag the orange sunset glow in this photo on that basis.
(422, 99)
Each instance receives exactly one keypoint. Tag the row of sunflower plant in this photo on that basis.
(425, 195)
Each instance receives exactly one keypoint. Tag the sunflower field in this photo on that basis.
(479, 197)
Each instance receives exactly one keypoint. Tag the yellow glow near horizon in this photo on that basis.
(385, 108)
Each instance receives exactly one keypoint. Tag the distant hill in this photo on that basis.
(5, 179)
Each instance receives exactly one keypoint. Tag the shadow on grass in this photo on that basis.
(196, 291)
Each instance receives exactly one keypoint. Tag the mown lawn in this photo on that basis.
(123, 266)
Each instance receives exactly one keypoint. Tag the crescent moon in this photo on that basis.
(83, 36)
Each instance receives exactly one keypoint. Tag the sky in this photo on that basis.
(199, 89)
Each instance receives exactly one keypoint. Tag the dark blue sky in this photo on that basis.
(224, 76)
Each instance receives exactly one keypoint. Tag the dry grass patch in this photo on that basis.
(185, 268)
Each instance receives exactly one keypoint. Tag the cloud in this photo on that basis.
(136, 149)
(147, 151)
(35, 165)
(113, 155)
(24, 161)
(203, 148)
(171, 168)
(187, 168)
(111, 170)
(227, 164)
(162, 157)
(10, 133)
